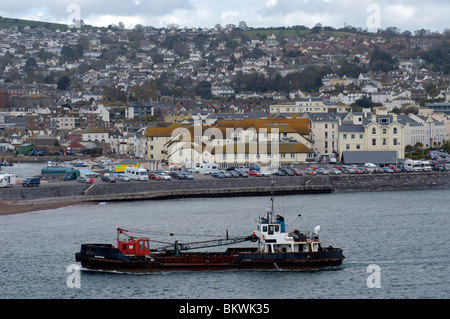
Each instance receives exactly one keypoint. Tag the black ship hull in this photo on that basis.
(106, 257)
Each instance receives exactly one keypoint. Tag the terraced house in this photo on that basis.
(246, 142)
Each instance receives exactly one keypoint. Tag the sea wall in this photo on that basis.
(209, 187)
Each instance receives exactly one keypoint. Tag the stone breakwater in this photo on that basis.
(230, 187)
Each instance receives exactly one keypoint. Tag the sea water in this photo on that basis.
(395, 244)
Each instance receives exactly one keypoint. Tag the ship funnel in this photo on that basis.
(316, 230)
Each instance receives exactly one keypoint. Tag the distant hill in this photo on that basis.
(303, 32)
(20, 23)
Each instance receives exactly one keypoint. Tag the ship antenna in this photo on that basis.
(272, 199)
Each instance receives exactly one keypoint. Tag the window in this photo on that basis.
(353, 136)
(292, 155)
(384, 131)
(345, 136)
(347, 146)
(358, 146)
(374, 131)
(395, 130)
(374, 142)
(395, 142)
(384, 142)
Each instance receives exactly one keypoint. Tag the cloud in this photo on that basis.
(404, 14)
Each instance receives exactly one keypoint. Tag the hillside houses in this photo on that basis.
(200, 77)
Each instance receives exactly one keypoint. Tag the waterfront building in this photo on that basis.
(372, 132)
(232, 142)
(324, 132)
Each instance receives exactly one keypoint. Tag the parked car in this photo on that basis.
(227, 174)
(387, 169)
(123, 178)
(164, 176)
(359, 170)
(84, 179)
(348, 170)
(194, 170)
(154, 176)
(322, 171)
(254, 173)
(406, 169)
(176, 175)
(241, 173)
(279, 173)
(335, 171)
(218, 174)
(379, 169)
(187, 176)
(395, 168)
(265, 173)
(234, 173)
(310, 171)
(108, 179)
(296, 171)
(31, 182)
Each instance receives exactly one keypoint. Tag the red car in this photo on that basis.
(254, 173)
(395, 168)
(154, 176)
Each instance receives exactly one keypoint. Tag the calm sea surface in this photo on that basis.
(405, 234)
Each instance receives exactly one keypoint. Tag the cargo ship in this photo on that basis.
(274, 248)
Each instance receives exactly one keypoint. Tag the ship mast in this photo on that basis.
(272, 200)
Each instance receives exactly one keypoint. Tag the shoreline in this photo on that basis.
(56, 195)
(14, 207)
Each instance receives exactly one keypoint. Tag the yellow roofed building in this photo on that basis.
(246, 142)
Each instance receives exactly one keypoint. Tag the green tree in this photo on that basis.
(63, 83)
(30, 64)
(381, 61)
(203, 89)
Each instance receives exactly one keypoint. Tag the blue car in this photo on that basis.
(31, 182)
(218, 175)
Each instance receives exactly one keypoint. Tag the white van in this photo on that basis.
(426, 166)
(370, 168)
(207, 169)
(415, 166)
(137, 174)
(7, 180)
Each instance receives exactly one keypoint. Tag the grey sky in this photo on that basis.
(405, 14)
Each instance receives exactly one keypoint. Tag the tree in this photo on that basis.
(63, 83)
(203, 89)
(381, 61)
(30, 64)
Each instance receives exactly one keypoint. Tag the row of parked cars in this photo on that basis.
(355, 169)
(170, 175)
